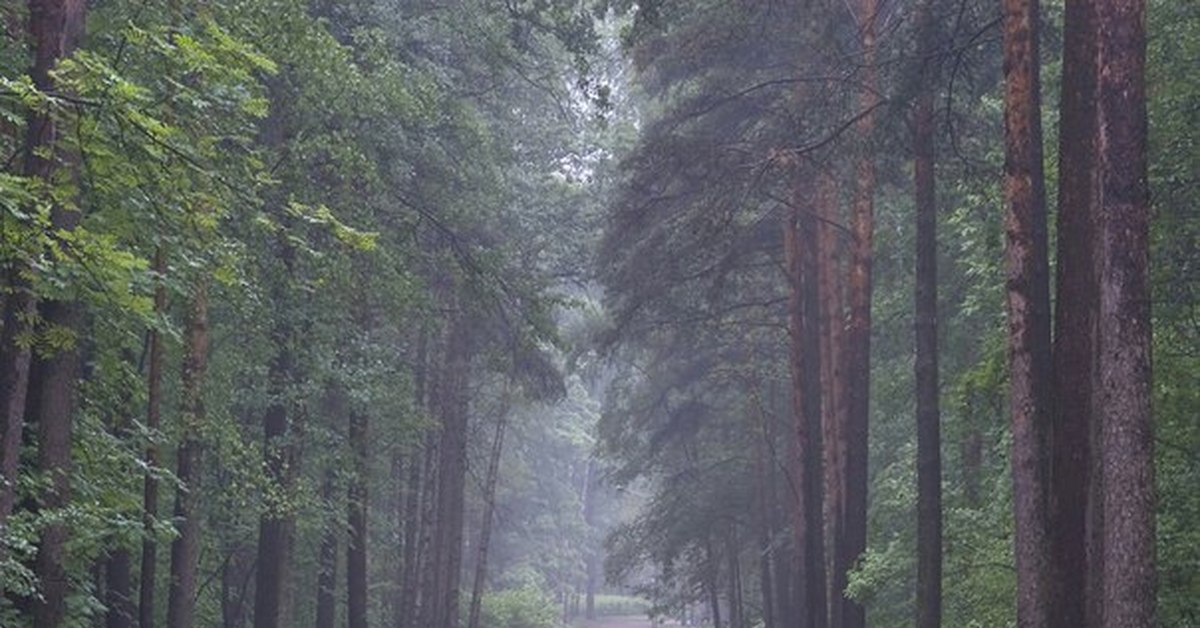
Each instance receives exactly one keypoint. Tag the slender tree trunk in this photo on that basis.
(235, 579)
(1127, 434)
(149, 571)
(832, 325)
(185, 549)
(929, 440)
(489, 509)
(410, 517)
(1075, 323)
(858, 329)
(327, 577)
(1028, 312)
(712, 569)
(356, 551)
(763, 500)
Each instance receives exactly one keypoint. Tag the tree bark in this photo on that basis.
(452, 469)
(149, 570)
(119, 586)
(929, 440)
(858, 330)
(1028, 312)
(1073, 521)
(327, 577)
(356, 550)
(1127, 434)
(185, 549)
(800, 244)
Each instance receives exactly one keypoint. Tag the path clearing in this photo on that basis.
(624, 622)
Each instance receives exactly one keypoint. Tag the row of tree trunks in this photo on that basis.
(1083, 450)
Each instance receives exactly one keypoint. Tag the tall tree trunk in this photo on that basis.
(929, 439)
(1075, 328)
(356, 550)
(327, 576)
(1127, 434)
(235, 579)
(763, 501)
(800, 243)
(55, 27)
(489, 509)
(410, 504)
(280, 432)
(832, 327)
(149, 571)
(185, 549)
(1028, 312)
(712, 569)
(858, 330)
(452, 469)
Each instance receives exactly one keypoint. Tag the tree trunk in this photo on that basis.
(1127, 434)
(858, 330)
(1075, 326)
(763, 501)
(451, 473)
(149, 571)
(327, 577)
(800, 240)
(185, 549)
(1028, 312)
(832, 325)
(356, 550)
(929, 440)
(119, 586)
(489, 509)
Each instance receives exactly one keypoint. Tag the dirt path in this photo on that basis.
(624, 622)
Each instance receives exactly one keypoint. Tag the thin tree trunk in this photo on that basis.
(356, 551)
(327, 576)
(712, 567)
(1028, 312)
(832, 324)
(1075, 327)
(489, 509)
(149, 571)
(185, 549)
(1127, 434)
(929, 440)
(763, 500)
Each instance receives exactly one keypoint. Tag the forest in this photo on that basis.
(599, 313)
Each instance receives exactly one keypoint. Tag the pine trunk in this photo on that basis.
(1127, 435)
(929, 440)
(1028, 312)
(1075, 328)
(858, 329)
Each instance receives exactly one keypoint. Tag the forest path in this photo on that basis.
(624, 622)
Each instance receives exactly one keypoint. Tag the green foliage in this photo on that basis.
(525, 607)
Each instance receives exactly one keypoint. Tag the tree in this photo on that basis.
(1127, 437)
(1027, 264)
(929, 441)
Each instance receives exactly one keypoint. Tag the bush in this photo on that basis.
(526, 607)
